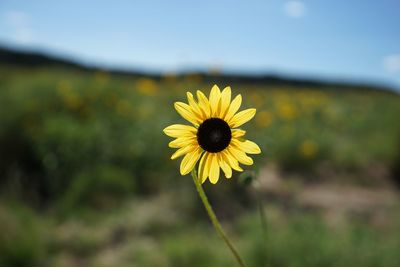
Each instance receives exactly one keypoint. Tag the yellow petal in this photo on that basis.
(234, 106)
(190, 160)
(182, 151)
(186, 112)
(214, 168)
(224, 166)
(225, 101)
(204, 104)
(195, 107)
(203, 171)
(215, 96)
(240, 156)
(180, 130)
(183, 141)
(247, 146)
(237, 133)
(242, 117)
(231, 160)
(207, 167)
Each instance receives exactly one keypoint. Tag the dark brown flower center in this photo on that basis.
(214, 135)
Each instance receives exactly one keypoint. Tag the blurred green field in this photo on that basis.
(86, 178)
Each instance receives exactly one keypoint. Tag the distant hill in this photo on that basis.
(36, 59)
(32, 59)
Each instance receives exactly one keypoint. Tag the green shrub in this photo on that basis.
(101, 187)
(21, 240)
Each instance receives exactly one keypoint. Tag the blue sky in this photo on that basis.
(355, 40)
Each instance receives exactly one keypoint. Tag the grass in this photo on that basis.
(295, 238)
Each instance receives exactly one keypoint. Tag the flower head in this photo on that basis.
(214, 139)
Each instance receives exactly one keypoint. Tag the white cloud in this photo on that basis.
(23, 35)
(16, 18)
(391, 63)
(295, 9)
(19, 23)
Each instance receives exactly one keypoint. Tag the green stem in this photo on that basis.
(214, 219)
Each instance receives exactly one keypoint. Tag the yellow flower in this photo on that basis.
(308, 149)
(214, 138)
(287, 111)
(124, 107)
(71, 99)
(102, 77)
(264, 119)
(147, 86)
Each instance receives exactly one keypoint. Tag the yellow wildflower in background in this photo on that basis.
(64, 87)
(102, 77)
(263, 119)
(147, 86)
(257, 99)
(124, 107)
(214, 139)
(70, 98)
(308, 149)
(287, 111)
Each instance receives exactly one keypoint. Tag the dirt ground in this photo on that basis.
(337, 201)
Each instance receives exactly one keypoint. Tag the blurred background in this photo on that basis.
(86, 88)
